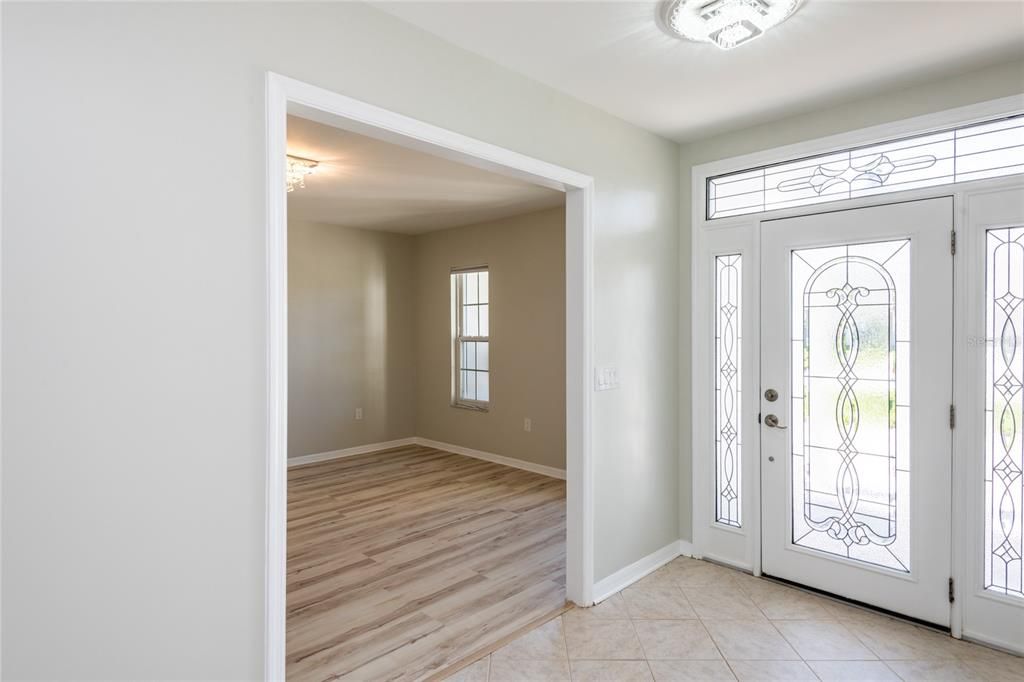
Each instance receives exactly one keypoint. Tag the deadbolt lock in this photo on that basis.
(771, 395)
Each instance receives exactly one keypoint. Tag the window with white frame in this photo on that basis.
(970, 152)
(471, 385)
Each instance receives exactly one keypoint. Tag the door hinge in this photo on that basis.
(952, 416)
(952, 242)
(952, 592)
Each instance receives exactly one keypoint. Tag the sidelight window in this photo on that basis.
(728, 337)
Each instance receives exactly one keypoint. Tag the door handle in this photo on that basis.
(771, 421)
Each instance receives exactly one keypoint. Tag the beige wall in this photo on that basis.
(351, 337)
(369, 325)
(526, 259)
(978, 86)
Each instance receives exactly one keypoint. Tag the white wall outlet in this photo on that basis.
(359, 414)
(527, 424)
(606, 378)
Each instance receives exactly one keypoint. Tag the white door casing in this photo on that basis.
(849, 299)
(285, 95)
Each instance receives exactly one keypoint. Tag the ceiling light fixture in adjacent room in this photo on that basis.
(726, 23)
(298, 169)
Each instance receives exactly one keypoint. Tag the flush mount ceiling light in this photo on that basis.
(297, 170)
(726, 23)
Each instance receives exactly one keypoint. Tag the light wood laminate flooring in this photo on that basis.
(406, 561)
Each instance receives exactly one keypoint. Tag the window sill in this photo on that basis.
(471, 407)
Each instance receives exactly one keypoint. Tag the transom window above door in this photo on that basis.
(969, 152)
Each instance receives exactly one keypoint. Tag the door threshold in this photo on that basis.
(858, 604)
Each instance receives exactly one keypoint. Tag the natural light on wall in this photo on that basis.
(972, 152)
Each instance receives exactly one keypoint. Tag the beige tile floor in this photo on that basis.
(692, 620)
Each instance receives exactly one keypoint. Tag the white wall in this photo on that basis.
(134, 311)
(948, 93)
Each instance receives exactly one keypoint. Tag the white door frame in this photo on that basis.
(976, 604)
(286, 95)
(741, 547)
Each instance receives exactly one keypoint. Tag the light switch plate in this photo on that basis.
(606, 378)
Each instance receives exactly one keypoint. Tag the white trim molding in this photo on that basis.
(550, 472)
(623, 578)
(349, 452)
(286, 95)
(541, 469)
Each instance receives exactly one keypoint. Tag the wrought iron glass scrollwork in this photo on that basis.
(728, 403)
(850, 358)
(1004, 442)
(970, 152)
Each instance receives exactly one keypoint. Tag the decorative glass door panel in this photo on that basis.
(991, 592)
(856, 384)
(728, 392)
(1004, 442)
(851, 487)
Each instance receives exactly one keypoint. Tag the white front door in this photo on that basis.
(856, 387)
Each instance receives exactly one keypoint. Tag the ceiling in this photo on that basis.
(365, 183)
(613, 55)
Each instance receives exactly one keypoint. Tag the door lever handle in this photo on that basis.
(771, 421)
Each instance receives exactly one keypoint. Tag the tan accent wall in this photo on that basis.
(526, 259)
(351, 342)
(369, 323)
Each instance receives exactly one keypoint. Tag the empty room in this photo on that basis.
(512, 341)
(426, 407)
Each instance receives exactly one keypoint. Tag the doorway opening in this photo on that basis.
(471, 386)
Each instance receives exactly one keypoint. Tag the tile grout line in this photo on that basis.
(565, 645)
(704, 627)
(834, 617)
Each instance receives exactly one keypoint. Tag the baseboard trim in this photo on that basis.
(426, 442)
(349, 452)
(491, 457)
(728, 563)
(625, 577)
(995, 643)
